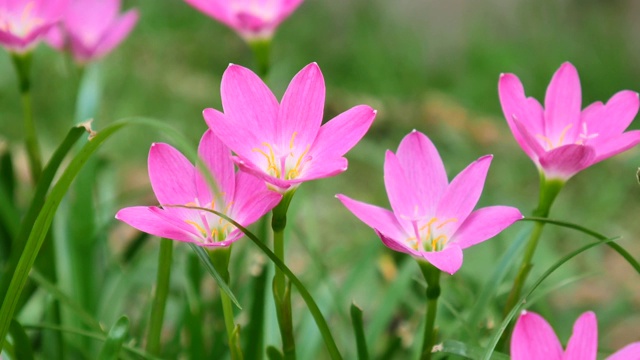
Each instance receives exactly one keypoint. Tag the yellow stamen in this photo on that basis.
(197, 226)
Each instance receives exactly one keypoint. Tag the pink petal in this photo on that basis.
(583, 344)
(252, 169)
(381, 220)
(563, 101)
(90, 19)
(118, 32)
(249, 104)
(252, 199)
(463, 193)
(301, 109)
(614, 117)
(322, 169)
(287, 7)
(398, 245)
(343, 132)
(535, 149)
(171, 175)
(402, 196)
(236, 136)
(216, 9)
(484, 224)
(423, 168)
(217, 159)
(616, 145)
(566, 161)
(534, 339)
(516, 105)
(148, 219)
(448, 260)
(629, 352)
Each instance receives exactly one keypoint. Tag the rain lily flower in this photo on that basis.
(560, 138)
(176, 181)
(252, 19)
(432, 219)
(533, 339)
(284, 144)
(92, 28)
(24, 22)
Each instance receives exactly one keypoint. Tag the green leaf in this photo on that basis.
(160, 296)
(358, 329)
(42, 224)
(274, 354)
(206, 261)
(467, 351)
(520, 304)
(117, 335)
(306, 296)
(21, 342)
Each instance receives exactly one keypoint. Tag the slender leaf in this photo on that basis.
(117, 335)
(465, 350)
(206, 261)
(496, 336)
(306, 296)
(358, 329)
(21, 342)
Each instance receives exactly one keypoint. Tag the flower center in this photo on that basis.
(430, 235)
(20, 25)
(211, 227)
(285, 165)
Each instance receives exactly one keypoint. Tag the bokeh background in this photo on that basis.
(426, 65)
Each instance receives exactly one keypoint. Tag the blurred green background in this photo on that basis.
(426, 65)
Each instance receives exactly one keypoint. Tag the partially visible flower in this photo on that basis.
(24, 22)
(284, 144)
(92, 28)
(176, 182)
(252, 19)
(560, 138)
(432, 219)
(533, 339)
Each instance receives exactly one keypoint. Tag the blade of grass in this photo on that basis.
(113, 344)
(465, 350)
(21, 342)
(521, 302)
(358, 329)
(206, 261)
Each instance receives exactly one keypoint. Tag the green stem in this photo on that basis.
(160, 297)
(220, 260)
(282, 289)
(432, 277)
(261, 52)
(22, 63)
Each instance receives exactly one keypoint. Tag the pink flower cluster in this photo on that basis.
(88, 28)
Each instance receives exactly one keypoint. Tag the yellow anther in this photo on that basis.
(293, 137)
(446, 222)
(562, 135)
(295, 172)
(197, 226)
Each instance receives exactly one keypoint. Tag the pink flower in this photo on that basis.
(533, 339)
(432, 219)
(560, 138)
(284, 143)
(92, 28)
(252, 19)
(24, 22)
(176, 181)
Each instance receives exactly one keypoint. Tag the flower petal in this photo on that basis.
(248, 101)
(253, 199)
(147, 219)
(583, 344)
(322, 169)
(614, 117)
(534, 339)
(616, 145)
(563, 101)
(236, 136)
(629, 352)
(463, 193)
(381, 220)
(423, 169)
(402, 196)
(215, 9)
(301, 109)
(340, 134)
(565, 161)
(217, 158)
(118, 31)
(484, 224)
(397, 245)
(171, 175)
(515, 105)
(448, 260)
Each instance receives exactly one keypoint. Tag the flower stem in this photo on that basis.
(160, 296)
(549, 189)
(220, 259)
(281, 288)
(261, 52)
(432, 277)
